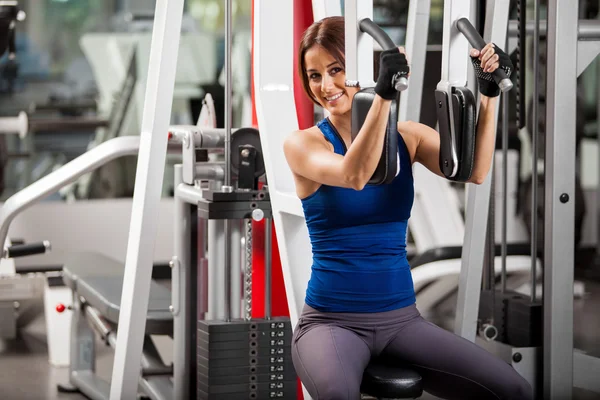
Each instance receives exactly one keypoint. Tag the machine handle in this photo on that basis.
(465, 27)
(22, 250)
(369, 27)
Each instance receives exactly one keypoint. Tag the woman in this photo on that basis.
(360, 301)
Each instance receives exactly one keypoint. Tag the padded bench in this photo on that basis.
(385, 381)
(99, 280)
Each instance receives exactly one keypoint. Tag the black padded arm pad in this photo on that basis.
(388, 166)
(458, 134)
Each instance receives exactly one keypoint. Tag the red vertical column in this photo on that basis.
(303, 17)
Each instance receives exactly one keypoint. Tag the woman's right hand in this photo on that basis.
(391, 62)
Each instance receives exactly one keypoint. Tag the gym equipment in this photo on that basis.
(10, 14)
(457, 113)
(563, 366)
(18, 286)
(240, 357)
(388, 165)
(96, 282)
(217, 204)
(126, 55)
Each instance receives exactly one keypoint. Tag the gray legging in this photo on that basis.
(331, 350)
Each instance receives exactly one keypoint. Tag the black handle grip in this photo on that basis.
(369, 27)
(465, 27)
(22, 250)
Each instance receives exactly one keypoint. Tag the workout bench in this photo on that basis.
(97, 282)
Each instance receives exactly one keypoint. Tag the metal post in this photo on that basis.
(534, 144)
(228, 91)
(478, 198)
(248, 269)
(217, 299)
(268, 267)
(235, 238)
(559, 222)
(359, 46)
(147, 193)
(227, 186)
(416, 48)
(181, 292)
(598, 171)
(503, 249)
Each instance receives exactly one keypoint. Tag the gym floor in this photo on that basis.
(25, 373)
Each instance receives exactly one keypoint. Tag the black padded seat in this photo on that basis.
(99, 280)
(384, 381)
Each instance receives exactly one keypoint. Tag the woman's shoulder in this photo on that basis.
(303, 137)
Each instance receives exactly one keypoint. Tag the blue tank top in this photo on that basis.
(358, 241)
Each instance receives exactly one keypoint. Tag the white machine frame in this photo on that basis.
(274, 90)
(563, 366)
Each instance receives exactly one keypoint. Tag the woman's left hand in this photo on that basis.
(485, 62)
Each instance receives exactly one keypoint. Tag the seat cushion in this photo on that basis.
(383, 380)
(99, 280)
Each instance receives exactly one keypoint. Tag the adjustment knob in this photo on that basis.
(258, 214)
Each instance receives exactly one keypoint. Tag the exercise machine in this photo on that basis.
(546, 357)
(274, 91)
(437, 224)
(95, 281)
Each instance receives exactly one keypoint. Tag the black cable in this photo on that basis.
(521, 62)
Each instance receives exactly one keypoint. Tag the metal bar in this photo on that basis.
(248, 269)
(228, 91)
(416, 47)
(559, 221)
(598, 154)
(227, 181)
(588, 29)
(359, 46)
(503, 244)
(455, 47)
(156, 116)
(66, 124)
(534, 145)
(97, 322)
(227, 268)
(268, 267)
(204, 138)
(216, 271)
(62, 106)
(68, 173)
(181, 289)
(235, 292)
(478, 197)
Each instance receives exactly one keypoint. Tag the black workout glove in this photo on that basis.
(391, 62)
(487, 85)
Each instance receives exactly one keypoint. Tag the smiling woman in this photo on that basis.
(360, 299)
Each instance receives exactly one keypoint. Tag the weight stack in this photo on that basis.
(518, 320)
(246, 359)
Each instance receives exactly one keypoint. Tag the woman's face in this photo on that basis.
(327, 81)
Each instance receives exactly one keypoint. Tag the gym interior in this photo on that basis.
(152, 236)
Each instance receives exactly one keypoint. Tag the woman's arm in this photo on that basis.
(427, 142)
(309, 155)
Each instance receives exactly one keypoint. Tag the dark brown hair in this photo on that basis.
(327, 33)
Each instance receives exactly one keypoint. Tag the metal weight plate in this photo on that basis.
(246, 136)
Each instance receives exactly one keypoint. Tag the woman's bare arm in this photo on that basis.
(310, 156)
